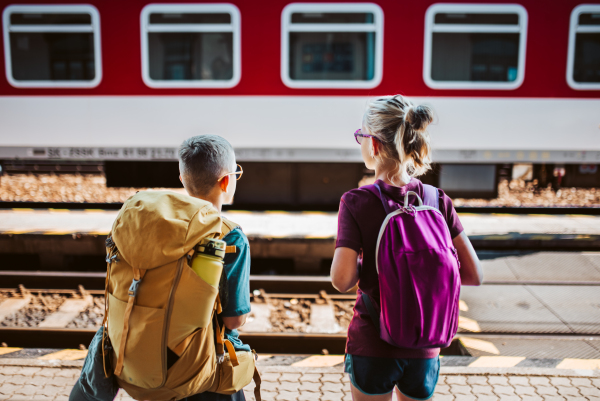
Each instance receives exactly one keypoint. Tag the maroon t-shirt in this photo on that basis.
(360, 218)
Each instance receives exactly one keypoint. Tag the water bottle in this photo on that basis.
(208, 260)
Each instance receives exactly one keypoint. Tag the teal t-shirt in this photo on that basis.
(235, 298)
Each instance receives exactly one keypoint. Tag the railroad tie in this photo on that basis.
(67, 312)
(260, 323)
(322, 316)
(13, 305)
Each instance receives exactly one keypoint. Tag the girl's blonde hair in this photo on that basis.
(400, 128)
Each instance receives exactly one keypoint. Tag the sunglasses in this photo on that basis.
(358, 135)
(238, 173)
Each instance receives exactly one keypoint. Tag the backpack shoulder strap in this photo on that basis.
(431, 196)
(228, 226)
(376, 190)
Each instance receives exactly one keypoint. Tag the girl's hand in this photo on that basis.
(344, 271)
(471, 272)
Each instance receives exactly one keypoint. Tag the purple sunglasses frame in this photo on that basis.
(358, 133)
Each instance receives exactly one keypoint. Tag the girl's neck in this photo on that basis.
(385, 175)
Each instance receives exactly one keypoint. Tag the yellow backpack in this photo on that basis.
(155, 301)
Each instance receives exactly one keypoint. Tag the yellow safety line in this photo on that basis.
(65, 355)
(480, 345)
(496, 361)
(572, 363)
(8, 350)
(468, 324)
(320, 361)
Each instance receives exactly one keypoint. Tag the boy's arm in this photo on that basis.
(237, 271)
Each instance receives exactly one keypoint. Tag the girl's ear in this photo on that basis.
(375, 146)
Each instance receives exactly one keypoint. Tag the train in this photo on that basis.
(121, 84)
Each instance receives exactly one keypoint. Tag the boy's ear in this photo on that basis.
(180, 179)
(224, 183)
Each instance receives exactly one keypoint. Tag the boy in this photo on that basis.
(208, 171)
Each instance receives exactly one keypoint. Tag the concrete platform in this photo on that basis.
(313, 378)
(292, 224)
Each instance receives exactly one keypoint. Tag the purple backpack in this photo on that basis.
(418, 268)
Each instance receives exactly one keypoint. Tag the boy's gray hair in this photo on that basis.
(202, 160)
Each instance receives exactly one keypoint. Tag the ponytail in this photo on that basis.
(402, 130)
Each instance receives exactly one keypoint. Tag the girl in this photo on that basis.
(395, 144)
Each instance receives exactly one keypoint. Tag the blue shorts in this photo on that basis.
(415, 377)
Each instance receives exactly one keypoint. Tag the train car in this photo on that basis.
(121, 84)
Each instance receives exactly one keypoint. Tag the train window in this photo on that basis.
(583, 65)
(332, 45)
(191, 45)
(52, 46)
(475, 46)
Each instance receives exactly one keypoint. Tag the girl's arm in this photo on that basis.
(344, 270)
(470, 267)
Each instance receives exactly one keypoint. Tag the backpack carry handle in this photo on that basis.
(415, 194)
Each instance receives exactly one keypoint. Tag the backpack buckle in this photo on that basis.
(134, 287)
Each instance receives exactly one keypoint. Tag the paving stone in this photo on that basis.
(571, 398)
(482, 389)
(539, 381)
(288, 386)
(465, 397)
(29, 370)
(593, 398)
(554, 398)
(9, 389)
(442, 379)
(571, 391)
(18, 379)
(331, 378)
(480, 380)
(587, 391)
(47, 372)
(443, 397)
(62, 381)
(560, 381)
(308, 396)
(460, 389)
(518, 381)
(333, 387)
(270, 376)
(503, 390)
(499, 380)
(596, 382)
(331, 396)
(461, 380)
(510, 398)
(68, 373)
(581, 382)
(290, 377)
(522, 390)
(546, 391)
(345, 378)
(270, 386)
(11, 370)
(311, 377)
(531, 398)
(27, 390)
(442, 389)
(61, 398)
(41, 381)
(287, 395)
(311, 386)
(347, 397)
(486, 397)
(268, 395)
